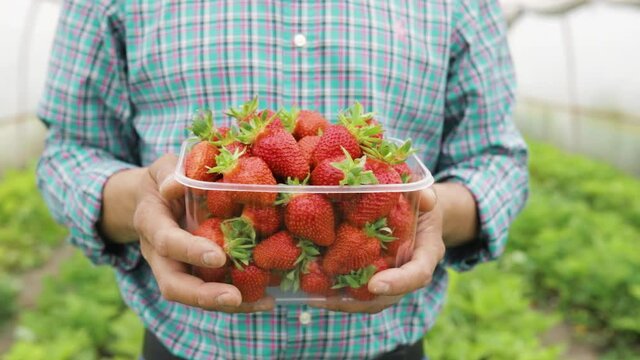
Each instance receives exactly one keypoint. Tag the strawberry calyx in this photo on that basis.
(381, 231)
(244, 112)
(202, 125)
(284, 198)
(249, 131)
(390, 153)
(229, 137)
(356, 121)
(291, 279)
(226, 161)
(289, 118)
(239, 240)
(356, 278)
(354, 171)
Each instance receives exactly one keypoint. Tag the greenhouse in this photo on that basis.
(565, 286)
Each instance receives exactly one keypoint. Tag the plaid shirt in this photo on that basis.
(125, 76)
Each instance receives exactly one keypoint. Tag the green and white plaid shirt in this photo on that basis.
(125, 76)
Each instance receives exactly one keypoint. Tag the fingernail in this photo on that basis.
(211, 258)
(226, 299)
(381, 288)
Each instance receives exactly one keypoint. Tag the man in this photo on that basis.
(125, 76)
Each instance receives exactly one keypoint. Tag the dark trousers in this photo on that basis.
(154, 350)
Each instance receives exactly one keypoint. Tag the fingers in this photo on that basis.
(428, 200)
(155, 223)
(349, 305)
(416, 273)
(177, 285)
(162, 172)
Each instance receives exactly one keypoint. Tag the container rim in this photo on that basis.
(425, 182)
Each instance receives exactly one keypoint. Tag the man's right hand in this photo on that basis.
(145, 204)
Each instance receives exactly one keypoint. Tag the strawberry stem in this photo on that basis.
(380, 231)
(356, 278)
(289, 118)
(245, 112)
(355, 120)
(202, 124)
(239, 240)
(353, 170)
(390, 153)
(226, 161)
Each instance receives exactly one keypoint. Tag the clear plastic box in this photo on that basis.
(394, 255)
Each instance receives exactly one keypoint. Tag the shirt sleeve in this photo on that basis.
(481, 147)
(90, 137)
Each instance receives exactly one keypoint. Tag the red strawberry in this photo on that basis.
(251, 280)
(303, 123)
(234, 236)
(276, 147)
(211, 274)
(315, 281)
(369, 207)
(343, 170)
(307, 145)
(201, 157)
(266, 220)
(390, 153)
(404, 171)
(245, 170)
(275, 278)
(279, 251)
(275, 123)
(401, 220)
(310, 216)
(350, 134)
(221, 205)
(355, 247)
(357, 282)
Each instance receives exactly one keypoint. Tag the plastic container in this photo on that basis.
(197, 212)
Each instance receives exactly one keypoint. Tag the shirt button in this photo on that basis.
(305, 318)
(300, 40)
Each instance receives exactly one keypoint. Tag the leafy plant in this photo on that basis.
(27, 232)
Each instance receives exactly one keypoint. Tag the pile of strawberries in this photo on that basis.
(320, 243)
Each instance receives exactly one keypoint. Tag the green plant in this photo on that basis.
(488, 316)
(27, 232)
(8, 294)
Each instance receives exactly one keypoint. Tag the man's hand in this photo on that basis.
(157, 203)
(392, 284)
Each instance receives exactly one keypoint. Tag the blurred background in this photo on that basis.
(568, 286)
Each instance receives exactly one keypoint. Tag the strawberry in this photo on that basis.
(404, 171)
(221, 205)
(275, 123)
(357, 281)
(307, 145)
(276, 147)
(279, 251)
(245, 170)
(303, 123)
(343, 170)
(355, 247)
(352, 133)
(266, 220)
(275, 278)
(394, 155)
(202, 155)
(309, 216)
(401, 220)
(211, 274)
(369, 207)
(251, 280)
(314, 280)
(234, 236)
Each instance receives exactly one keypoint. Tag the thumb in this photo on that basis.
(428, 200)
